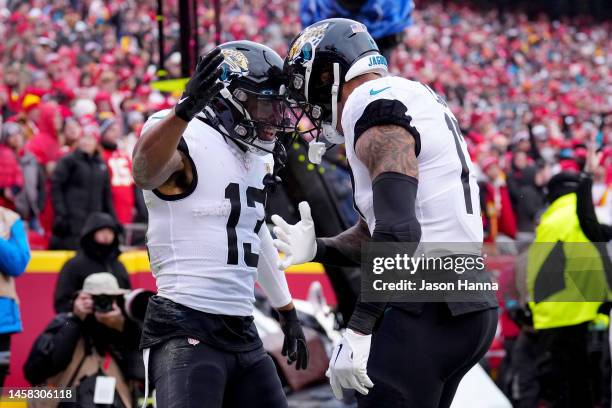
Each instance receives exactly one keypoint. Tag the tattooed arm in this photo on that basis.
(387, 148)
(155, 156)
(389, 153)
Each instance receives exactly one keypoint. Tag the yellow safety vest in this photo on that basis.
(555, 299)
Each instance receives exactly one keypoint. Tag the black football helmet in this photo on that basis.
(249, 109)
(321, 59)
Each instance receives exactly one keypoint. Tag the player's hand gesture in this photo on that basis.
(348, 364)
(294, 344)
(202, 86)
(298, 241)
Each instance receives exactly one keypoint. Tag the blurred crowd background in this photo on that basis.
(530, 84)
(530, 93)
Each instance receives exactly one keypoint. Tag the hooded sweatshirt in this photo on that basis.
(90, 258)
(45, 144)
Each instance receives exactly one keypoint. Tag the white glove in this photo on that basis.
(348, 364)
(297, 242)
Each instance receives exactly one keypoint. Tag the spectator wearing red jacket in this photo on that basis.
(120, 169)
(498, 216)
(45, 144)
(11, 177)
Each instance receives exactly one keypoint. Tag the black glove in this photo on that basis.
(294, 345)
(202, 86)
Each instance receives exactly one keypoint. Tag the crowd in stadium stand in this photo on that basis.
(75, 89)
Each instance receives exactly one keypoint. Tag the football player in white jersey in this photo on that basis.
(398, 135)
(203, 167)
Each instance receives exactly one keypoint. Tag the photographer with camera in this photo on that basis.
(95, 340)
(99, 251)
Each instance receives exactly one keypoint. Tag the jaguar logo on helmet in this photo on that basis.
(307, 42)
(235, 63)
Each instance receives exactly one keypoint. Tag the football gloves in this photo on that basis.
(298, 241)
(202, 86)
(348, 364)
(294, 345)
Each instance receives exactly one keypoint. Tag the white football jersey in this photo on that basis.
(203, 246)
(447, 202)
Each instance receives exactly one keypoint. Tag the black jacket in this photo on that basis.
(53, 349)
(90, 258)
(528, 200)
(80, 186)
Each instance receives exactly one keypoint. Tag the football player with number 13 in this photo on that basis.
(204, 166)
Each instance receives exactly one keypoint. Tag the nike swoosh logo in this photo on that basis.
(339, 350)
(373, 92)
(182, 99)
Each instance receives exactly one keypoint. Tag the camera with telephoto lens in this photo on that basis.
(103, 303)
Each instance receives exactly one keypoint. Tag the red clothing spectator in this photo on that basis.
(11, 179)
(498, 216)
(122, 184)
(45, 144)
(120, 170)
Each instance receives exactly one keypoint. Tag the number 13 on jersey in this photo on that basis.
(253, 196)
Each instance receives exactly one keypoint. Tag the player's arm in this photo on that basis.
(343, 249)
(389, 153)
(269, 276)
(155, 157)
(274, 283)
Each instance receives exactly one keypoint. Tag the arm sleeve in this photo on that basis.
(14, 252)
(585, 209)
(394, 197)
(386, 112)
(271, 279)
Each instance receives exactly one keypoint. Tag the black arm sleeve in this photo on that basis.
(585, 209)
(394, 197)
(387, 112)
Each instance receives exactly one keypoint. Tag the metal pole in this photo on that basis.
(195, 49)
(161, 72)
(217, 5)
(185, 37)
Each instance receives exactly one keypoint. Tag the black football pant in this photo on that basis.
(564, 366)
(190, 376)
(417, 360)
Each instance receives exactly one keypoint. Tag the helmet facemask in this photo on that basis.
(262, 118)
(312, 101)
